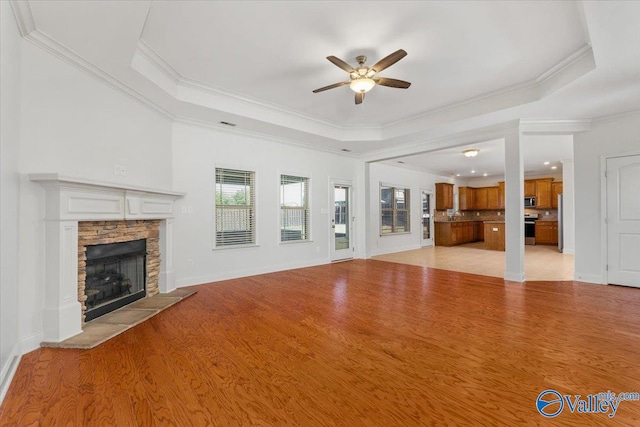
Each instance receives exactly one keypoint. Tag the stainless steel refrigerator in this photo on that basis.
(560, 225)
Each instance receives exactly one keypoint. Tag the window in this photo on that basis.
(235, 207)
(394, 208)
(294, 208)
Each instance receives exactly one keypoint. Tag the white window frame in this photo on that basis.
(306, 209)
(394, 210)
(250, 207)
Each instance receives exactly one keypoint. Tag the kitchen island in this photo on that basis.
(494, 235)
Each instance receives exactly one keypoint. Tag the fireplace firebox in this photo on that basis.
(116, 276)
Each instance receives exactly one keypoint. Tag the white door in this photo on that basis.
(427, 218)
(623, 220)
(341, 222)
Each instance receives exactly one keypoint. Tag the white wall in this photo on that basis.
(197, 151)
(10, 43)
(406, 178)
(77, 126)
(605, 138)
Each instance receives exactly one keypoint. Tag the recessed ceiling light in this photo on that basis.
(485, 174)
(473, 171)
(457, 174)
(554, 167)
(546, 163)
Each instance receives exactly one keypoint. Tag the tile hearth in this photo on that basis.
(110, 325)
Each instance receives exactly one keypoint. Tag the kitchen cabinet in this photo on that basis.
(466, 198)
(556, 188)
(444, 196)
(501, 197)
(529, 188)
(546, 232)
(453, 233)
(482, 201)
(543, 193)
(478, 232)
(493, 199)
(494, 236)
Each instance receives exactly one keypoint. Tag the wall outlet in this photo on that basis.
(477, 213)
(183, 209)
(123, 170)
(190, 263)
(189, 209)
(546, 213)
(116, 169)
(499, 213)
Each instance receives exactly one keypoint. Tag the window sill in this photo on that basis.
(226, 248)
(293, 242)
(395, 234)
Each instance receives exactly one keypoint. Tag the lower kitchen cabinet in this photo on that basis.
(546, 232)
(456, 232)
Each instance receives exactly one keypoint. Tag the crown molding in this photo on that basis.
(584, 51)
(604, 119)
(553, 126)
(60, 51)
(24, 18)
(243, 132)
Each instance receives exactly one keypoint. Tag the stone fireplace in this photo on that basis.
(118, 263)
(80, 217)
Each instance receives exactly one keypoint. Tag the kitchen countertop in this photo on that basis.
(494, 222)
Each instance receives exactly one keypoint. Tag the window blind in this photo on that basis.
(394, 210)
(294, 208)
(235, 207)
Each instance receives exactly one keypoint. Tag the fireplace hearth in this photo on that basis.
(115, 276)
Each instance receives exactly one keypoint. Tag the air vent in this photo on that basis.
(346, 150)
(227, 124)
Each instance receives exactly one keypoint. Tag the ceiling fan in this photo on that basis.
(362, 79)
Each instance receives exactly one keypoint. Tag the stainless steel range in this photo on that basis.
(530, 229)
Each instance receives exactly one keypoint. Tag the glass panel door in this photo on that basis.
(342, 246)
(427, 218)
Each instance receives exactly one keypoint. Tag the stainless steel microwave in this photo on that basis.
(529, 202)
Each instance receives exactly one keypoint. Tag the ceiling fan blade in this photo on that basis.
(389, 60)
(340, 63)
(359, 97)
(332, 86)
(400, 84)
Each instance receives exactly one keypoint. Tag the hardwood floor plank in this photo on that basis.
(354, 343)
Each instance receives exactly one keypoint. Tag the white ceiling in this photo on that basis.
(471, 64)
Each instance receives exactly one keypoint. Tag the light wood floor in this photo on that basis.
(359, 343)
(542, 262)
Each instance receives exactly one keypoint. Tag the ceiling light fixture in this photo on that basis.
(554, 167)
(485, 174)
(473, 171)
(471, 152)
(546, 163)
(457, 174)
(362, 85)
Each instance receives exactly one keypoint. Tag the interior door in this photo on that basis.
(623, 220)
(341, 222)
(427, 218)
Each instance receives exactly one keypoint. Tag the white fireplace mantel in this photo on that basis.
(69, 200)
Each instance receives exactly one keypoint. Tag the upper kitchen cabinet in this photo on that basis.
(543, 193)
(466, 198)
(529, 188)
(501, 197)
(444, 196)
(556, 188)
(482, 201)
(493, 197)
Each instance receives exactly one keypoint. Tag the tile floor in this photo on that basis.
(542, 262)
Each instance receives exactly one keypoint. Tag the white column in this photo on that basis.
(568, 211)
(167, 278)
(62, 316)
(514, 208)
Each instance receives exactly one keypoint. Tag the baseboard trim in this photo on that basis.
(199, 280)
(589, 278)
(394, 250)
(31, 343)
(9, 370)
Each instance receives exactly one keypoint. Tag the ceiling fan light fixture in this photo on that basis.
(362, 85)
(471, 152)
